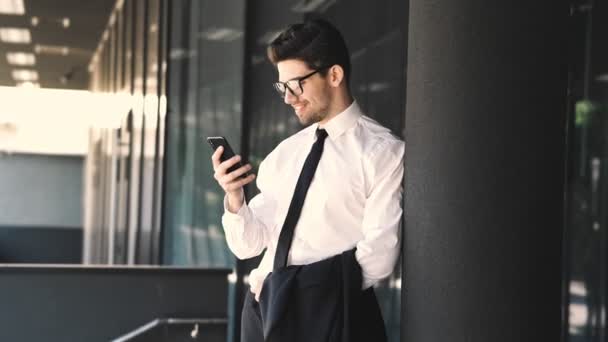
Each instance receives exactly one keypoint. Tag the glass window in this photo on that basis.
(161, 131)
(125, 23)
(112, 50)
(136, 130)
(120, 49)
(204, 99)
(128, 21)
(146, 250)
(587, 184)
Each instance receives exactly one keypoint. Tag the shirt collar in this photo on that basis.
(341, 122)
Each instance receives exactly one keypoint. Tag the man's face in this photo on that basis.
(312, 104)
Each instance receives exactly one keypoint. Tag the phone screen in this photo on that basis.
(228, 153)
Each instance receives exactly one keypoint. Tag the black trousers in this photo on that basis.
(371, 330)
(251, 320)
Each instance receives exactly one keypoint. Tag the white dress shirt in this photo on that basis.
(354, 199)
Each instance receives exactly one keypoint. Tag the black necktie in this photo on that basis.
(295, 207)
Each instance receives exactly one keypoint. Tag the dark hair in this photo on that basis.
(315, 42)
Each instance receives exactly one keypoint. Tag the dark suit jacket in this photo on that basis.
(320, 302)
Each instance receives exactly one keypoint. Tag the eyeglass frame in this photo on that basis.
(277, 84)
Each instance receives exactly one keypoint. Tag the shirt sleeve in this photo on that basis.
(247, 230)
(379, 250)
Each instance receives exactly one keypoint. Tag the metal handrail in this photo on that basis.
(170, 321)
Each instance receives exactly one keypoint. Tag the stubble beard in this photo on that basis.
(315, 117)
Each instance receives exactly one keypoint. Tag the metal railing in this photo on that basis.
(195, 322)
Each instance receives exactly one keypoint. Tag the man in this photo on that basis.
(353, 202)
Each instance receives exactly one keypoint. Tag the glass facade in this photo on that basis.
(135, 127)
(587, 187)
(204, 99)
(129, 63)
(146, 252)
(123, 152)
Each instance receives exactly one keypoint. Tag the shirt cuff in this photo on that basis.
(240, 214)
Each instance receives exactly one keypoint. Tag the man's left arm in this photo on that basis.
(378, 252)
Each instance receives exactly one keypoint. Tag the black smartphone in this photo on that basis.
(228, 153)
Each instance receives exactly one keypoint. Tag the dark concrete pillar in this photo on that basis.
(485, 133)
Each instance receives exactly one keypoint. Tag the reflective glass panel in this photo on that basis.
(587, 183)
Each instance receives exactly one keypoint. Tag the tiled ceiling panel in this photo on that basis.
(64, 35)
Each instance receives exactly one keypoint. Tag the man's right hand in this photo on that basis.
(231, 182)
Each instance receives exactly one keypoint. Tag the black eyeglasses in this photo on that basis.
(294, 85)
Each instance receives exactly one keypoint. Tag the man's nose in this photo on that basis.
(289, 97)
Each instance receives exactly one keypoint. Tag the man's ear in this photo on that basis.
(335, 75)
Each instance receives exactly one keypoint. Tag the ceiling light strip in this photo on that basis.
(12, 7)
(15, 35)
